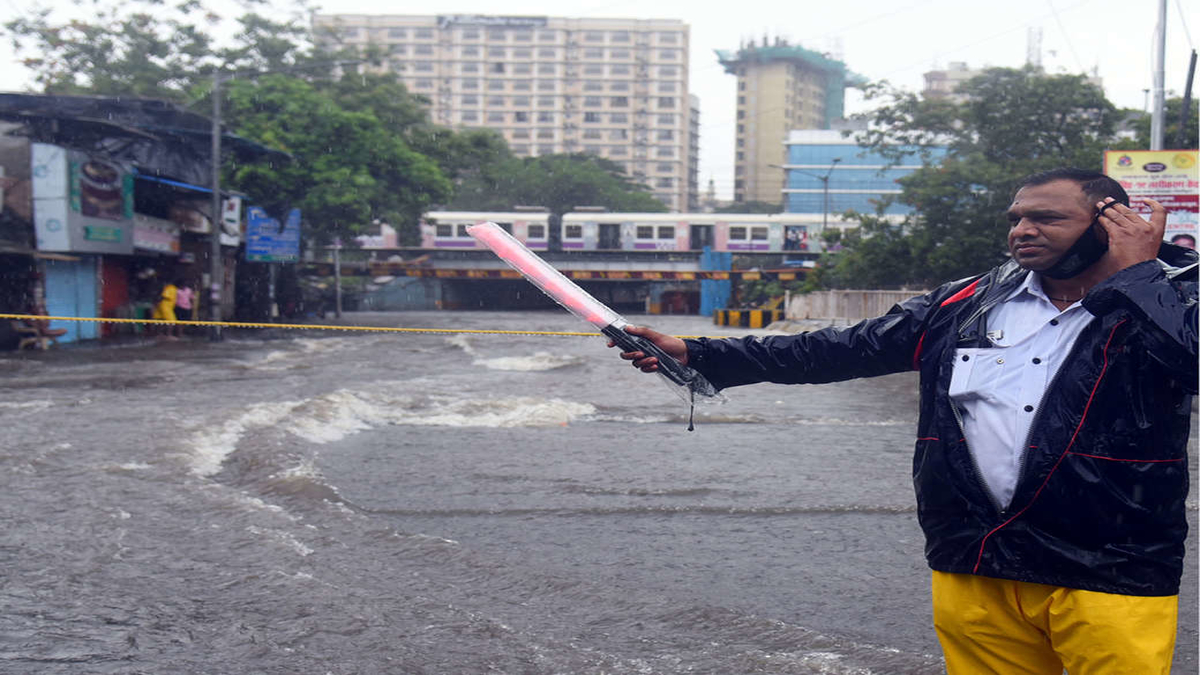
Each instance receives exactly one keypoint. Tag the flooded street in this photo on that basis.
(327, 502)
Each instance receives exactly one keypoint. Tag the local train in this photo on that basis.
(600, 231)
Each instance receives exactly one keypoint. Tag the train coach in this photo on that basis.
(598, 231)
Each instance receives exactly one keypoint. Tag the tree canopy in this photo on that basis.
(1012, 123)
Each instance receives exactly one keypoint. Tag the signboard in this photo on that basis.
(1170, 177)
(266, 241)
(231, 221)
(155, 234)
(82, 203)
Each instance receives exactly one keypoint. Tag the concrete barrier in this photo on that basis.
(746, 318)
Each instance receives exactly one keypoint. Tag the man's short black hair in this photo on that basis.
(1096, 186)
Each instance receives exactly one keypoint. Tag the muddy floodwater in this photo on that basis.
(331, 502)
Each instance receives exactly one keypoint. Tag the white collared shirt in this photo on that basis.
(999, 389)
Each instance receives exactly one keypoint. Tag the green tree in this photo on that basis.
(1172, 114)
(1013, 123)
(347, 169)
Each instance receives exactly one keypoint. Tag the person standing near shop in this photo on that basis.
(1050, 463)
(164, 309)
(184, 299)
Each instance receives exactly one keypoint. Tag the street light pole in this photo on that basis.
(216, 267)
(825, 190)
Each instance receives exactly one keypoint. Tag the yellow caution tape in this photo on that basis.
(248, 324)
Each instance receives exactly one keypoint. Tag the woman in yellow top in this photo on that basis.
(165, 308)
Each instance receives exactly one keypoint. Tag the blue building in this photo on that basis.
(828, 173)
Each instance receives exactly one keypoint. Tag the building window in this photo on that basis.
(496, 35)
(545, 133)
(496, 52)
(619, 118)
(618, 86)
(547, 36)
(593, 54)
(545, 117)
(546, 85)
(520, 101)
(424, 66)
(521, 116)
(423, 50)
(619, 101)
(545, 101)
(349, 32)
(523, 36)
(495, 101)
(664, 182)
(592, 102)
(593, 85)
(592, 149)
(668, 54)
(397, 33)
(425, 84)
(666, 135)
(620, 54)
(620, 36)
(397, 50)
(522, 69)
(495, 85)
(522, 53)
(591, 117)
(593, 36)
(470, 100)
(666, 87)
(470, 83)
(522, 85)
(545, 53)
(495, 117)
(592, 134)
(470, 34)
(666, 101)
(618, 70)
(665, 151)
(470, 67)
(520, 149)
(424, 33)
(547, 69)
(470, 116)
(496, 68)
(665, 167)
(618, 151)
(666, 119)
(520, 133)
(668, 38)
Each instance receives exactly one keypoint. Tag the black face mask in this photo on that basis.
(1087, 249)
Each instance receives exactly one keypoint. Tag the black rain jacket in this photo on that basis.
(1099, 502)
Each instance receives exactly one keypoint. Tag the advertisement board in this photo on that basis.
(1170, 177)
(82, 203)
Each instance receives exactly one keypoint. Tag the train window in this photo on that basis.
(507, 227)
(645, 232)
(666, 232)
(462, 230)
(537, 231)
(445, 230)
(737, 232)
(572, 232)
(758, 233)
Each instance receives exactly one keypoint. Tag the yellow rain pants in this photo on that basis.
(990, 625)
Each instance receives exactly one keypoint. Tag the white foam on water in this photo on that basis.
(210, 447)
(463, 342)
(338, 414)
(26, 406)
(533, 362)
(286, 538)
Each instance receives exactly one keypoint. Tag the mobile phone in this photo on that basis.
(1087, 249)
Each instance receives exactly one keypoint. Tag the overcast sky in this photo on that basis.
(896, 40)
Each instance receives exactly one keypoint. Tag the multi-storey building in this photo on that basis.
(828, 174)
(944, 84)
(780, 87)
(615, 88)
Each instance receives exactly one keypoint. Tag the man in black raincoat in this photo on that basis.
(1050, 461)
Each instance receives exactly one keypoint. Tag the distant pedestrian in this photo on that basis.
(164, 309)
(184, 297)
